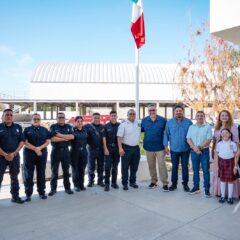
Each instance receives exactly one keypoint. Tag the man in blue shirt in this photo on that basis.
(175, 133)
(154, 126)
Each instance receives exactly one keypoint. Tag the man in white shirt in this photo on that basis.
(129, 133)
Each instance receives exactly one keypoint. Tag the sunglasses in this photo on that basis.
(152, 110)
(132, 114)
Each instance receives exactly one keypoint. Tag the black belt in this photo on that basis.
(59, 148)
(125, 145)
(78, 148)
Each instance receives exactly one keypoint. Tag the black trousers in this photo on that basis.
(95, 156)
(14, 169)
(60, 155)
(130, 160)
(111, 165)
(78, 163)
(32, 160)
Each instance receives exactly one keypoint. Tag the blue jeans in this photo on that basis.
(175, 157)
(204, 160)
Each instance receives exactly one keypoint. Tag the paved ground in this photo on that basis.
(119, 215)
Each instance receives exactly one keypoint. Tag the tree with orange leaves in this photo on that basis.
(211, 81)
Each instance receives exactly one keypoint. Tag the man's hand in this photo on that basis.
(106, 152)
(10, 157)
(121, 152)
(38, 151)
(166, 150)
(197, 150)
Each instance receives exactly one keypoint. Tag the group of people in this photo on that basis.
(100, 147)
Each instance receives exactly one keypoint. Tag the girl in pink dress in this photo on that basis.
(224, 121)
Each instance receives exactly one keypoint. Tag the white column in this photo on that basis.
(35, 107)
(76, 109)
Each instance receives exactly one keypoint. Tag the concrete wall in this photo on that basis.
(225, 19)
(103, 92)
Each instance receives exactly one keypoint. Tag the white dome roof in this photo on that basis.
(103, 73)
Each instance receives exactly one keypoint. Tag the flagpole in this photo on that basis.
(137, 82)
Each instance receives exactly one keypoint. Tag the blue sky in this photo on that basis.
(92, 31)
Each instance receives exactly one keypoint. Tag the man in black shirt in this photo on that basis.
(95, 132)
(11, 142)
(61, 135)
(111, 151)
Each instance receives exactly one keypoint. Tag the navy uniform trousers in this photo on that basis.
(79, 163)
(14, 169)
(32, 160)
(60, 155)
(130, 160)
(111, 165)
(95, 155)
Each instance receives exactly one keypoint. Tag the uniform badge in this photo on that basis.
(17, 130)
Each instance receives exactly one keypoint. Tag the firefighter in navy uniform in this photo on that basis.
(95, 132)
(111, 151)
(61, 136)
(79, 154)
(35, 153)
(11, 142)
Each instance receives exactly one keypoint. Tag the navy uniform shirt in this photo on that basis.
(95, 135)
(111, 134)
(36, 136)
(154, 133)
(80, 138)
(65, 129)
(10, 137)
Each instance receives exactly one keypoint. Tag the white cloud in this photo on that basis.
(25, 59)
(7, 50)
(15, 70)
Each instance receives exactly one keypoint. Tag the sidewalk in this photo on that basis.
(118, 215)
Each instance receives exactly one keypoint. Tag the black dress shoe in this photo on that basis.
(90, 184)
(69, 191)
(82, 188)
(52, 192)
(106, 189)
(77, 189)
(125, 187)
(172, 187)
(133, 185)
(114, 185)
(17, 200)
(28, 199)
(101, 184)
(43, 196)
(186, 188)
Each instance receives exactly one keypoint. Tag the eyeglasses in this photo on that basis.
(36, 119)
